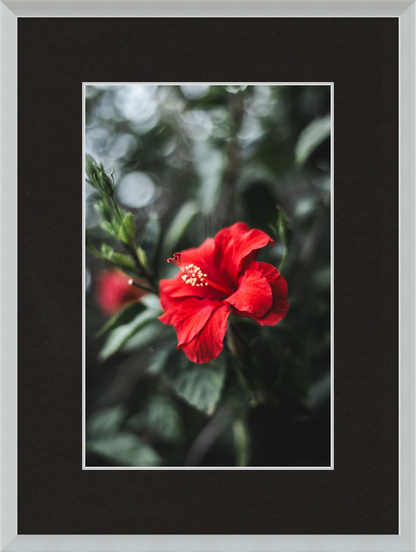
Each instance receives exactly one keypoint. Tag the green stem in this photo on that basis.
(243, 380)
(241, 441)
(284, 258)
(116, 209)
(144, 270)
(133, 252)
(145, 288)
(240, 355)
(278, 381)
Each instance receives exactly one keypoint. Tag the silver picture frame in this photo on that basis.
(406, 538)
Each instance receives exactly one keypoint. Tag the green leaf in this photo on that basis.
(319, 394)
(127, 230)
(150, 239)
(311, 137)
(122, 317)
(122, 261)
(160, 417)
(142, 257)
(178, 227)
(198, 384)
(106, 421)
(151, 301)
(92, 171)
(109, 228)
(322, 278)
(94, 251)
(125, 449)
(104, 209)
(281, 229)
(90, 163)
(118, 259)
(120, 335)
(97, 176)
(153, 334)
(158, 362)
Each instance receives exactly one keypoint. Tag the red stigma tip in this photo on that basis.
(176, 259)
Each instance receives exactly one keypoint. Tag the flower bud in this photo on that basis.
(114, 291)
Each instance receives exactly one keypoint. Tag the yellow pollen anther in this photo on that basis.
(193, 275)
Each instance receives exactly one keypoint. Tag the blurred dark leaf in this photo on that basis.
(178, 227)
(294, 376)
(198, 384)
(159, 416)
(259, 203)
(158, 361)
(122, 317)
(319, 394)
(125, 449)
(149, 336)
(106, 421)
(311, 137)
(323, 278)
(120, 335)
(266, 352)
(150, 238)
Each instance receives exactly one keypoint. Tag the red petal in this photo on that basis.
(173, 291)
(237, 244)
(280, 306)
(190, 317)
(253, 295)
(208, 343)
(205, 256)
(175, 288)
(272, 275)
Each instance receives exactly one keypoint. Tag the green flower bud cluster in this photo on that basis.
(116, 223)
(98, 178)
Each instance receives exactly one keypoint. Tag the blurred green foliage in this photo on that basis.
(167, 167)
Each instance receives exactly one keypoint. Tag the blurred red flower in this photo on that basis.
(221, 275)
(114, 291)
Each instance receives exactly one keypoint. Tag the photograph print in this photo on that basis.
(208, 276)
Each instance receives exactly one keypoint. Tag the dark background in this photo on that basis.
(361, 57)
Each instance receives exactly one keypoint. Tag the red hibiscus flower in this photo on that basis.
(220, 276)
(114, 291)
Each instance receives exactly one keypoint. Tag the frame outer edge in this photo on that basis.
(407, 307)
(8, 274)
(9, 540)
(208, 8)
